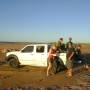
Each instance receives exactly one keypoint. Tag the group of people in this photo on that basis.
(70, 50)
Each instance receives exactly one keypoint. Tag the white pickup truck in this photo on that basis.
(33, 54)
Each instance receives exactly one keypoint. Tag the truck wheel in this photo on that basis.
(14, 63)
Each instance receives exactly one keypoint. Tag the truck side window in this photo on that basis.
(49, 46)
(28, 49)
(40, 49)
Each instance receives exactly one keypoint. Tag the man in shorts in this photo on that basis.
(70, 57)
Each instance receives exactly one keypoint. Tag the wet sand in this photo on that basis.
(35, 77)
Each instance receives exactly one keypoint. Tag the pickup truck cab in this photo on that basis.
(33, 55)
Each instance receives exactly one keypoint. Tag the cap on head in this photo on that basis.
(70, 38)
(61, 38)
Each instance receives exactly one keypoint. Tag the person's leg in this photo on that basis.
(69, 68)
(70, 72)
(86, 66)
(49, 68)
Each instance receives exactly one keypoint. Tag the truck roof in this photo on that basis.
(38, 44)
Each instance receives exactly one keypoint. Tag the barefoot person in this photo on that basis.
(70, 57)
(51, 58)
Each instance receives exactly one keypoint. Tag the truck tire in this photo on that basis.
(14, 63)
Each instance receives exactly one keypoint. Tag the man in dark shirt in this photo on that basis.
(78, 55)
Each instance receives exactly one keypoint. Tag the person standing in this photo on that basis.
(70, 58)
(78, 55)
(70, 41)
(51, 58)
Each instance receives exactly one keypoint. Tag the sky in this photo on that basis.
(44, 20)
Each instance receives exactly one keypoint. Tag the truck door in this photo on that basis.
(41, 55)
(26, 56)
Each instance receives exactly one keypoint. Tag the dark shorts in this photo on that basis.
(69, 64)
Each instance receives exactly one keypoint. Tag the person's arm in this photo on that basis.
(71, 55)
(51, 53)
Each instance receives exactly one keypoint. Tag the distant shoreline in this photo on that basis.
(7, 42)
